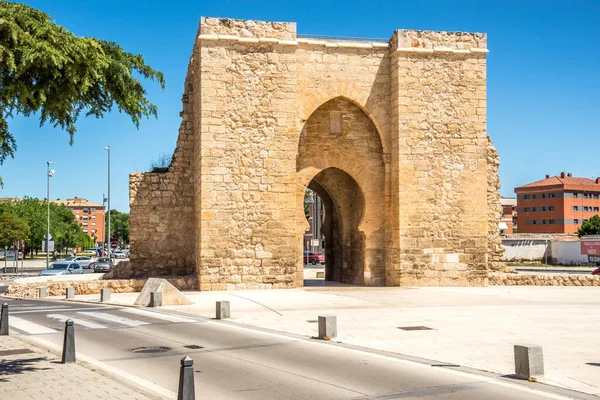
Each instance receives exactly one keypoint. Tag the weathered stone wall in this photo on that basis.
(162, 217)
(256, 131)
(30, 290)
(439, 157)
(495, 248)
(246, 159)
(499, 279)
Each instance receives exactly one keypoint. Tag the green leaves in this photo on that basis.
(12, 228)
(590, 227)
(119, 226)
(44, 68)
(63, 226)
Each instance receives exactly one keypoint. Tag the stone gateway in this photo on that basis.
(391, 135)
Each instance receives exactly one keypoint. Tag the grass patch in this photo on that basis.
(538, 264)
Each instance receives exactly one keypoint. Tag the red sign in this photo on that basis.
(590, 247)
(113, 245)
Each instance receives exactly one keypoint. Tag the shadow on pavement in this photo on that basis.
(13, 367)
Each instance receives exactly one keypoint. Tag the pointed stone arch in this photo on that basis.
(379, 116)
(348, 165)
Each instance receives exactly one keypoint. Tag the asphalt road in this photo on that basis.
(232, 362)
(554, 270)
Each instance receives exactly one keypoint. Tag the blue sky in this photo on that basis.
(543, 82)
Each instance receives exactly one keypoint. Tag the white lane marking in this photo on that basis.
(156, 315)
(28, 305)
(77, 321)
(114, 318)
(29, 327)
(58, 309)
(32, 309)
(118, 372)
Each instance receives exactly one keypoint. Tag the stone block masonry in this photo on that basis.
(391, 135)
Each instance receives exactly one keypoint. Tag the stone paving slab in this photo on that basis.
(40, 375)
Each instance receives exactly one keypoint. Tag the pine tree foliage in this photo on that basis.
(46, 69)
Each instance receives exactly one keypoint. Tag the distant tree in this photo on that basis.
(47, 70)
(162, 163)
(63, 227)
(12, 228)
(590, 227)
(119, 226)
(308, 198)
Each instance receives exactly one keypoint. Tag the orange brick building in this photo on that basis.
(509, 215)
(557, 204)
(90, 216)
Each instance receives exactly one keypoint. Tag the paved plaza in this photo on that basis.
(28, 372)
(475, 327)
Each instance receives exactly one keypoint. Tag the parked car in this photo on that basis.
(87, 253)
(83, 261)
(62, 268)
(103, 264)
(314, 258)
(596, 271)
(119, 254)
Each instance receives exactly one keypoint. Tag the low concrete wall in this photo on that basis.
(543, 280)
(525, 249)
(567, 253)
(58, 288)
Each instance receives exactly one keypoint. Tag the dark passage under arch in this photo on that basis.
(343, 202)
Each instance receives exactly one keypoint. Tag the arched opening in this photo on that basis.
(334, 217)
(340, 160)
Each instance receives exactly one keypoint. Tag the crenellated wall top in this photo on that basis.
(241, 28)
(437, 41)
(284, 33)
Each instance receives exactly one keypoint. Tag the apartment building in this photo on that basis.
(90, 216)
(557, 204)
(509, 215)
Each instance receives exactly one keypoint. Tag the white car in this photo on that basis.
(62, 268)
(120, 254)
(83, 261)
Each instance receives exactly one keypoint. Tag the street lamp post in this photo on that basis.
(49, 175)
(107, 148)
(104, 221)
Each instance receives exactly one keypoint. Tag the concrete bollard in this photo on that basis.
(70, 293)
(223, 310)
(529, 361)
(327, 327)
(186, 380)
(68, 354)
(104, 295)
(155, 299)
(4, 320)
(42, 292)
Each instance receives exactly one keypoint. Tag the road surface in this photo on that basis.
(233, 362)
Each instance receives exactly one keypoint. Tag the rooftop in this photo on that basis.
(508, 201)
(564, 179)
(77, 202)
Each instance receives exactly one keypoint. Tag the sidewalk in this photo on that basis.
(474, 327)
(27, 372)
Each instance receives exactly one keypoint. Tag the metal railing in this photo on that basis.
(348, 38)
